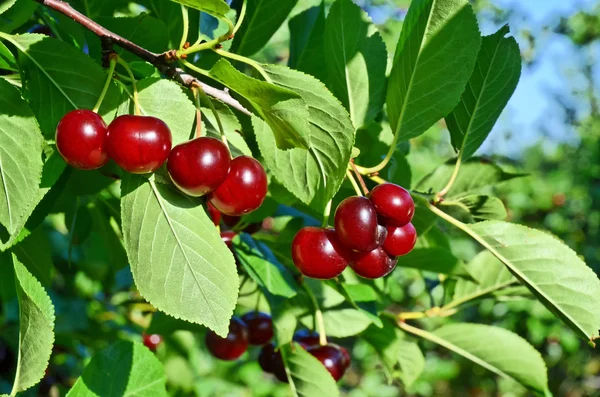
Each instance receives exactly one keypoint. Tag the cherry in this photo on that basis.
(307, 338)
(138, 144)
(244, 189)
(318, 253)
(152, 341)
(400, 240)
(260, 327)
(227, 237)
(374, 264)
(199, 166)
(272, 362)
(393, 204)
(214, 213)
(80, 139)
(356, 224)
(346, 356)
(332, 357)
(231, 347)
(231, 221)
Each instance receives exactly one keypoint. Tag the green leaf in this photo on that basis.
(341, 322)
(7, 59)
(36, 329)
(178, 260)
(475, 176)
(497, 350)
(6, 4)
(410, 361)
(35, 253)
(20, 158)
(356, 60)
(218, 8)
(17, 15)
(491, 85)
(388, 343)
(474, 208)
(283, 109)
(123, 369)
(263, 19)
(307, 52)
(263, 267)
(434, 59)
(362, 297)
(423, 219)
(313, 175)
(554, 274)
(490, 275)
(436, 259)
(163, 324)
(60, 78)
(231, 125)
(308, 377)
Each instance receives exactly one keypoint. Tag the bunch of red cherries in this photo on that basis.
(370, 233)
(141, 144)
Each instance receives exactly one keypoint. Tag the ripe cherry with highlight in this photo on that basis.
(400, 240)
(393, 203)
(260, 327)
(374, 264)
(231, 347)
(318, 253)
(81, 139)
(356, 224)
(152, 341)
(332, 358)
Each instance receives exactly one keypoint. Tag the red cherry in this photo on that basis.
(214, 213)
(307, 338)
(332, 358)
(138, 144)
(393, 204)
(400, 240)
(227, 237)
(231, 347)
(80, 139)
(231, 221)
(318, 253)
(374, 264)
(266, 358)
(260, 327)
(356, 224)
(244, 189)
(346, 356)
(152, 341)
(199, 166)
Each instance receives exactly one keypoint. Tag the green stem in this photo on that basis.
(353, 182)
(476, 295)
(111, 70)
(196, 92)
(216, 114)
(320, 324)
(247, 61)
(186, 26)
(326, 214)
(384, 162)
(136, 101)
(359, 177)
(448, 186)
(209, 44)
(240, 19)
(195, 68)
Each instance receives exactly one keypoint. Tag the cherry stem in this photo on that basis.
(353, 182)
(240, 19)
(326, 214)
(450, 183)
(111, 71)
(211, 105)
(198, 46)
(196, 92)
(136, 100)
(359, 177)
(245, 60)
(186, 26)
(319, 322)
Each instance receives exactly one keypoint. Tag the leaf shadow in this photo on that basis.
(108, 373)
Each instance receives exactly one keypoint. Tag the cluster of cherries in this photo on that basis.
(370, 233)
(141, 144)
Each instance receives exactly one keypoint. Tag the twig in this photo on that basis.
(160, 61)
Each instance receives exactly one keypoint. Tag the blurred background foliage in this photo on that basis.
(550, 130)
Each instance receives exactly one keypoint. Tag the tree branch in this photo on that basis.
(160, 61)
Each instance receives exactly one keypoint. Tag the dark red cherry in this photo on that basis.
(374, 264)
(227, 237)
(400, 240)
(381, 235)
(393, 204)
(307, 338)
(231, 221)
(260, 327)
(272, 362)
(214, 213)
(231, 347)
(356, 224)
(318, 253)
(347, 359)
(332, 358)
(81, 139)
(199, 166)
(152, 341)
(244, 189)
(138, 144)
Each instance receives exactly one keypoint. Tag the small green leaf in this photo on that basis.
(554, 274)
(434, 59)
(423, 219)
(60, 78)
(16, 15)
(7, 59)
(263, 18)
(475, 176)
(362, 297)
(35, 253)
(314, 175)
(474, 208)
(387, 342)
(307, 53)
(491, 85)
(512, 358)
(436, 259)
(178, 260)
(20, 158)
(283, 109)
(356, 60)
(410, 361)
(341, 322)
(123, 369)
(36, 329)
(6, 4)
(308, 377)
(263, 267)
(218, 8)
